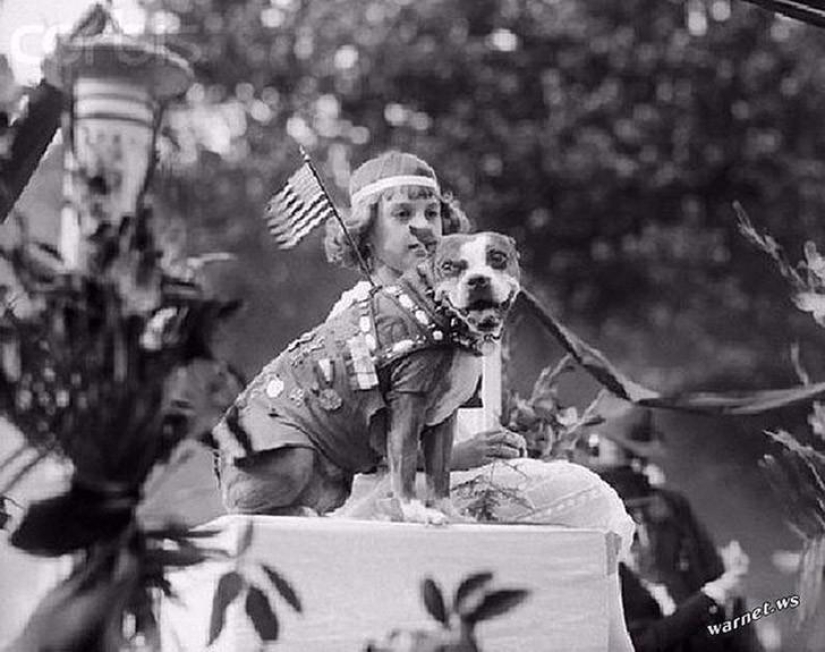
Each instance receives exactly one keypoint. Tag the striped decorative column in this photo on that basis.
(105, 169)
(118, 86)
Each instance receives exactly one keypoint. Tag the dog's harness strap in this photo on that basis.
(361, 347)
(430, 333)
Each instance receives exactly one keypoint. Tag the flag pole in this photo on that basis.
(362, 264)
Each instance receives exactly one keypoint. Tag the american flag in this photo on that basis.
(299, 207)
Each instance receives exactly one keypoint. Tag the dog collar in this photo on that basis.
(441, 327)
(437, 328)
(462, 335)
(458, 332)
(438, 332)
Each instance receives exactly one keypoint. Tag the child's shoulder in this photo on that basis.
(356, 293)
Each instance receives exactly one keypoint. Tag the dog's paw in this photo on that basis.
(414, 511)
(450, 511)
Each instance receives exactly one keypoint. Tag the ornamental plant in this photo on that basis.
(796, 470)
(455, 620)
(552, 431)
(109, 369)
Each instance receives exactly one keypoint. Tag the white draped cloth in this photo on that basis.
(526, 491)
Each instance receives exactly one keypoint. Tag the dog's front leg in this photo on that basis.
(406, 423)
(438, 445)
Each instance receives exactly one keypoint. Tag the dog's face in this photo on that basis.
(478, 276)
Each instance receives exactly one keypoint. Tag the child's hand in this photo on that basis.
(736, 567)
(486, 447)
(735, 559)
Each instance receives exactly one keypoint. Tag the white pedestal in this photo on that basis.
(360, 579)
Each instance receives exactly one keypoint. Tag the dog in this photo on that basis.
(379, 381)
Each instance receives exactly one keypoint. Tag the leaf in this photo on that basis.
(284, 588)
(229, 587)
(782, 487)
(811, 302)
(801, 372)
(468, 586)
(434, 601)
(165, 586)
(179, 533)
(495, 604)
(814, 260)
(260, 612)
(181, 558)
(49, 249)
(816, 419)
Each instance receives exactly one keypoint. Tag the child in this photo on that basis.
(388, 195)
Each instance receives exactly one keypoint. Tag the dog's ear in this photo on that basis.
(513, 246)
(514, 257)
(426, 237)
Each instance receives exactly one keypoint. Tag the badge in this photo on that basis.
(402, 345)
(329, 399)
(327, 370)
(316, 344)
(274, 387)
(363, 372)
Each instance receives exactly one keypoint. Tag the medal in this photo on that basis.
(274, 387)
(297, 396)
(329, 399)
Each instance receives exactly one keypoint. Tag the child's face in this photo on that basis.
(393, 244)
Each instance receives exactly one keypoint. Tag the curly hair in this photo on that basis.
(361, 217)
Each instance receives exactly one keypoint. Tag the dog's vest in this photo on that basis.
(331, 381)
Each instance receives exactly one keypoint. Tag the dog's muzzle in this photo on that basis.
(483, 316)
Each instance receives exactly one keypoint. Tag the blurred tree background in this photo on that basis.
(608, 138)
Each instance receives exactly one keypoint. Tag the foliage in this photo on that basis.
(237, 584)
(796, 471)
(108, 364)
(471, 604)
(552, 430)
(82, 359)
(797, 474)
(482, 496)
(95, 368)
(614, 169)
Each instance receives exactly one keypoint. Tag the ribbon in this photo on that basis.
(734, 403)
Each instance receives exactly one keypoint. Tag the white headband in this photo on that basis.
(393, 182)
